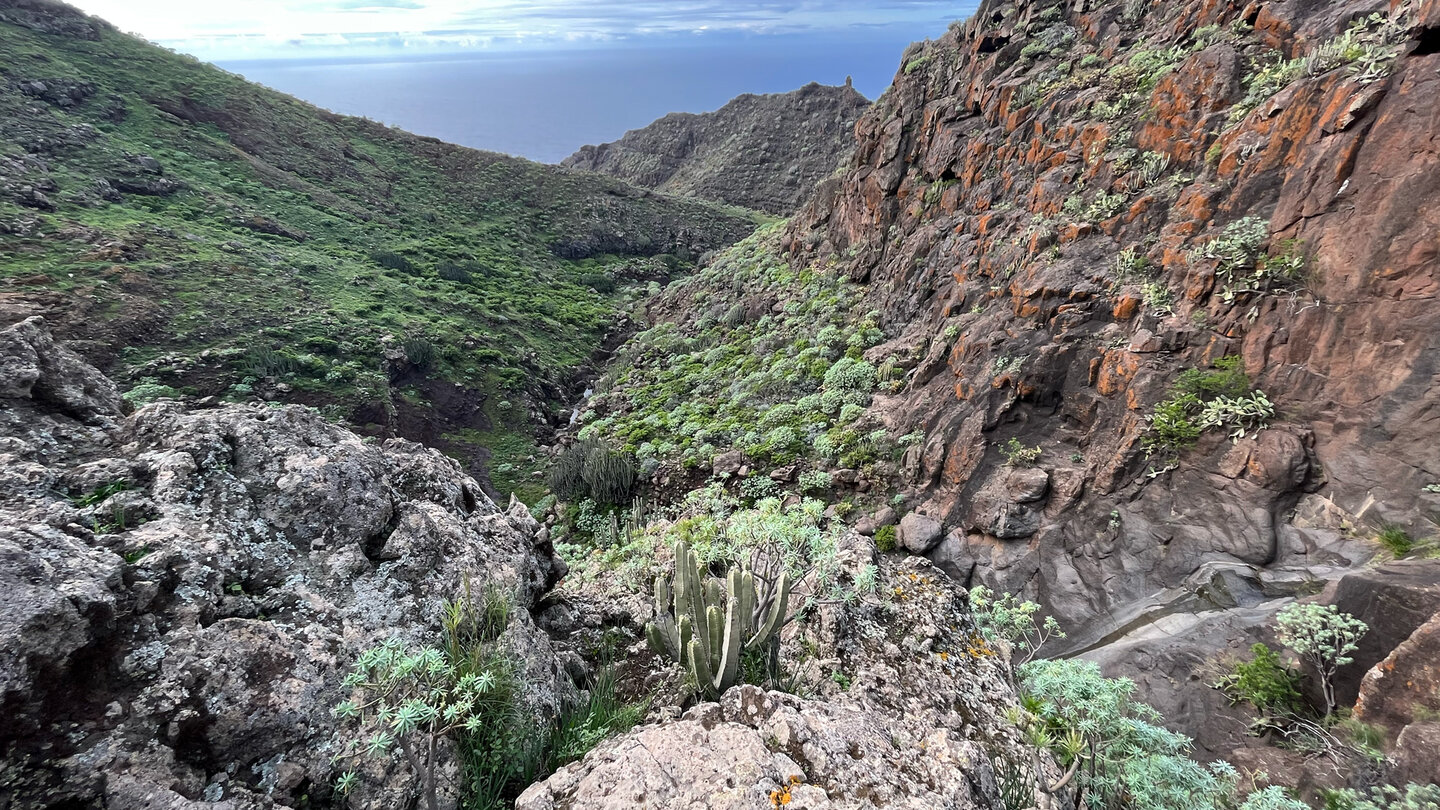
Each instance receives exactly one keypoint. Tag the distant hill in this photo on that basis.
(198, 235)
(763, 152)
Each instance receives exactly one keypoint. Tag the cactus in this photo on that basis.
(707, 626)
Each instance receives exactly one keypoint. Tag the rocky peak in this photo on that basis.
(759, 151)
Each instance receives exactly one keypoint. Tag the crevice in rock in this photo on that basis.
(1428, 42)
(373, 547)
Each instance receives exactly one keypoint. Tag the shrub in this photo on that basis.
(393, 261)
(148, 391)
(1386, 797)
(1009, 619)
(849, 374)
(599, 282)
(1204, 399)
(1018, 455)
(815, 481)
(1272, 798)
(411, 701)
(596, 471)
(453, 272)
(1323, 636)
(469, 691)
(1265, 682)
(1227, 379)
(271, 363)
(601, 716)
(1395, 539)
(1130, 760)
(885, 539)
(419, 351)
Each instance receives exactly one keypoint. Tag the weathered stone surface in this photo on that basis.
(191, 652)
(733, 755)
(763, 152)
(1394, 600)
(919, 533)
(34, 367)
(728, 463)
(1414, 754)
(1405, 686)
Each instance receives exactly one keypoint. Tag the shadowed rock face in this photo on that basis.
(195, 619)
(762, 152)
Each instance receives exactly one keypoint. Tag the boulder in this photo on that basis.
(1027, 484)
(1414, 755)
(1405, 686)
(919, 533)
(728, 463)
(1394, 600)
(873, 523)
(757, 749)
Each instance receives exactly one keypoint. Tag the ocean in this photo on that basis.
(544, 105)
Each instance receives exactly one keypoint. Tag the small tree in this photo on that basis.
(1324, 636)
(413, 701)
(1006, 617)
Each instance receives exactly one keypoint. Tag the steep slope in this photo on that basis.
(765, 152)
(1132, 306)
(202, 235)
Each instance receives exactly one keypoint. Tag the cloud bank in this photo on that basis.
(297, 28)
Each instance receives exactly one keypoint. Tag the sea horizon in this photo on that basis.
(545, 104)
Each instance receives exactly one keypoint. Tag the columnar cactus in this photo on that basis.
(706, 626)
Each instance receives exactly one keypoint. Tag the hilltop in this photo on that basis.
(196, 235)
(765, 152)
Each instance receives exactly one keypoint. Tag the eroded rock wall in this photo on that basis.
(996, 184)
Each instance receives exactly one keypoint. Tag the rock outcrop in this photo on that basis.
(762, 152)
(906, 708)
(182, 592)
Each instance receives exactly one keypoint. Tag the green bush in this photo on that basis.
(1129, 759)
(1204, 399)
(393, 261)
(597, 471)
(469, 691)
(1226, 378)
(1385, 797)
(1395, 539)
(1324, 636)
(885, 539)
(1264, 682)
(148, 391)
(1019, 455)
(450, 271)
(419, 351)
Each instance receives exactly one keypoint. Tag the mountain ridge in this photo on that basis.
(758, 151)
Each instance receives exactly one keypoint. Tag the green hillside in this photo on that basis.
(200, 235)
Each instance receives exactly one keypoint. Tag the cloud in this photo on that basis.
(353, 5)
(272, 27)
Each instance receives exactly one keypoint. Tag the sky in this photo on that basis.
(221, 30)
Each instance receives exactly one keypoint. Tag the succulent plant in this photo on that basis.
(707, 626)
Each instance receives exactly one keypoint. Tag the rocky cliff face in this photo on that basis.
(1041, 207)
(763, 152)
(182, 593)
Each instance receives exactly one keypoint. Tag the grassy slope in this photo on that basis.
(188, 290)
